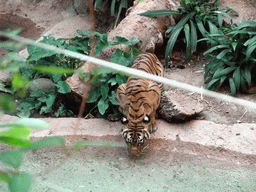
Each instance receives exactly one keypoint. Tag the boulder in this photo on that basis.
(177, 108)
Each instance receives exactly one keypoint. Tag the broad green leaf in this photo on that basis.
(220, 20)
(122, 40)
(119, 58)
(14, 141)
(222, 80)
(170, 28)
(213, 28)
(212, 84)
(4, 177)
(20, 183)
(200, 26)
(223, 72)
(103, 106)
(250, 41)
(188, 40)
(83, 45)
(45, 110)
(220, 14)
(56, 141)
(94, 95)
(53, 70)
(234, 45)
(19, 132)
(17, 81)
(112, 81)
(37, 93)
(28, 122)
(223, 53)
(13, 158)
(56, 77)
(216, 48)
(247, 75)
(193, 36)
(232, 86)
(243, 82)
(170, 44)
(183, 21)
(249, 51)
(80, 144)
(37, 53)
(120, 79)
(134, 41)
(104, 89)
(63, 87)
(7, 102)
(86, 33)
(113, 99)
(237, 78)
(157, 13)
(113, 7)
(102, 44)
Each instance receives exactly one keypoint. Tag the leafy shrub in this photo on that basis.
(196, 16)
(233, 56)
(42, 63)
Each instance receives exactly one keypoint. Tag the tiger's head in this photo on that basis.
(136, 133)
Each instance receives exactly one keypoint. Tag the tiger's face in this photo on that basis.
(136, 133)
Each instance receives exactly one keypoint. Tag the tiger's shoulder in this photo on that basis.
(148, 62)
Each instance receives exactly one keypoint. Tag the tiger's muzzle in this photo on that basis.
(135, 140)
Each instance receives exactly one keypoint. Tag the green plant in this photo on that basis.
(57, 67)
(115, 8)
(196, 16)
(42, 63)
(233, 57)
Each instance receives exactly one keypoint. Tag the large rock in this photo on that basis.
(175, 107)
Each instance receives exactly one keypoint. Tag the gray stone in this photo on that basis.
(175, 107)
(43, 84)
(5, 75)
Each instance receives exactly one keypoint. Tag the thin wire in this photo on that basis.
(133, 72)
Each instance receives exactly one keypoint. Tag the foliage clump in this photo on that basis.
(196, 20)
(233, 57)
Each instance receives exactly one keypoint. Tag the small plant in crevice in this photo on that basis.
(233, 57)
(197, 18)
(116, 7)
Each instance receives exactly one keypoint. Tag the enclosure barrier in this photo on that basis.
(133, 72)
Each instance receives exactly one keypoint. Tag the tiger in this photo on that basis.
(139, 100)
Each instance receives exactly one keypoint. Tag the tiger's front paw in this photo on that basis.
(153, 128)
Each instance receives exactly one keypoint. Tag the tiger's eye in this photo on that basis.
(124, 120)
(146, 119)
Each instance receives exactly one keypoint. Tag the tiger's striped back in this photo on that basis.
(139, 100)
